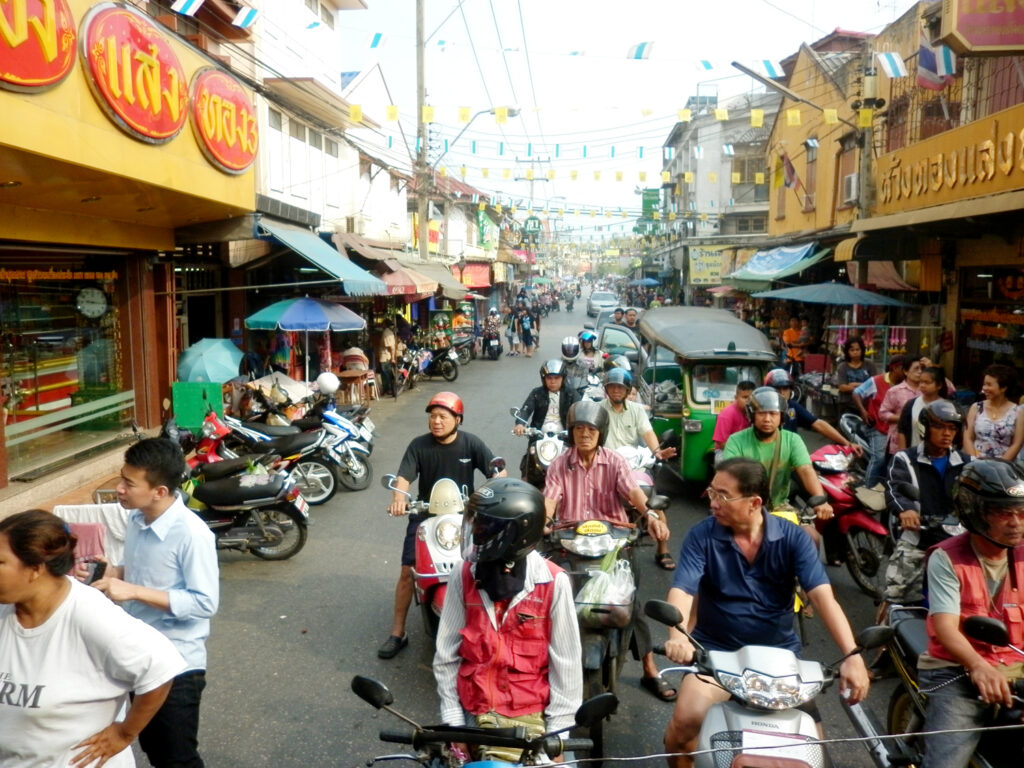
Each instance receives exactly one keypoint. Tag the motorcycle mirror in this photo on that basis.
(874, 637)
(497, 465)
(596, 709)
(663, 613)
(514, 412)
(669, 438)
(387, 480)
(987, 630)
(658, 502)
(373, 692)
(815, 501)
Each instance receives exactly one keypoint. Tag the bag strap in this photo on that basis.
(773, 470)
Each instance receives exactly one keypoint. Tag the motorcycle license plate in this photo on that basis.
(302, 506)
(495, 342)
(365, 433)
(368, 423)
(453, 354)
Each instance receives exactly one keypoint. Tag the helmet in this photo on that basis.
(942, 412)
(617, 361)
(619, 376)
(588, 336)
(503, 521)
(448, 400)
(764, 399)
(983, 484)
(327, 383)
(570, 349)
(590, 413)
(552, 367)
(492, 311)
(778, 378)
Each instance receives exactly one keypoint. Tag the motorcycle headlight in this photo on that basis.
(834, 462)
(448, 535)
(766, 692)
(590, 546)
(548, 450)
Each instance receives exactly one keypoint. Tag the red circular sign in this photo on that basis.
(134, 73)
(37, 44)
(224, 120)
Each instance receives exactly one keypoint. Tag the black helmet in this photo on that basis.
(942, 412)
(778, 378)
(590, 413)
(552, 367)
(503, 521)
(570, 349)
(619, 376)
(764, 399)
(984, 484)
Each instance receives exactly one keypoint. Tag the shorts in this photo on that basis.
(527, 338)
(409, 544)
(904, 577)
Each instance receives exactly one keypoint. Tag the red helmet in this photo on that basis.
(448, 400)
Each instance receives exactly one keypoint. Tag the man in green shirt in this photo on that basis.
(780, 451)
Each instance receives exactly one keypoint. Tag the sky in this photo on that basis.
(585, 107)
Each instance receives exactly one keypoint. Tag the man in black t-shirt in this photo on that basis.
(445, 451)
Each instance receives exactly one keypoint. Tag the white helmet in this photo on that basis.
(327, 383)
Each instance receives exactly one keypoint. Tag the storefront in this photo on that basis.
(115, 134)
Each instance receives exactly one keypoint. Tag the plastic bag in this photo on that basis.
(606, 599)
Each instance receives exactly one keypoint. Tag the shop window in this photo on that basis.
(296, 130)
(750, 224)
(274, 118)
(315, 140)
(313, 5)
(810, 181)
(896, 124)
(331, 147)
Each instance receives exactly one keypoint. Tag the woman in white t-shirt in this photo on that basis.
(69, 657)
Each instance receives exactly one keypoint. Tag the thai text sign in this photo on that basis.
(983, 26)
(134, 73)
(983, 158)
(224, 120)
(705, 266)
(37, 43)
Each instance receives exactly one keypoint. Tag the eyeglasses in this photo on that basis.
(1007, 514)
(712, 495)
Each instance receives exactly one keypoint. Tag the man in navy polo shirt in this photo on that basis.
(741, 564)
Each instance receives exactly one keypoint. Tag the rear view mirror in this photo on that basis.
(663, 613)
(596, 709)
(373, 692)
(987, 630)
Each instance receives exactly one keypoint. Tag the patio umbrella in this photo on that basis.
(647, 282)
(214, 360)
(306, 315)
(831, 293)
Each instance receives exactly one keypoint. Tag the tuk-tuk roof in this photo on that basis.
(701, 332)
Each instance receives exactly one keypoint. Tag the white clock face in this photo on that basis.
(91, 302)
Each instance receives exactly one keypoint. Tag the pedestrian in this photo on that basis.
(932, 387)
(794, 347)
(524, 327)
(894, 400)
(995, 426)
(851, 373)
(510, 332)
(868, 398)
(169, 579)
(446, 451)
(69, 658)
(387, 355)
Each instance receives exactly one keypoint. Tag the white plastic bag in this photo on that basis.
(606, 599)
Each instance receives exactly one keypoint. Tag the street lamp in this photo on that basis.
(512, 112)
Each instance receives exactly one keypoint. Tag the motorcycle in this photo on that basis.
(492, 344)
(548, 443)
(761, 721)
(428, 363)
(434, 744)
(570, 302)
(465, 348)
(405, 371)
(997, 749)
(593, 389)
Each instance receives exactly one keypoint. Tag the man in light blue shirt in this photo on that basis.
(170, 580)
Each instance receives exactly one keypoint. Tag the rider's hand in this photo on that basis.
(824, 511)
(680, 650)
(853, 679)
(519, 429)
(991, 684)
(665, 453)
(856, 450)
(658, 528)
(399, 506)
(910, 520)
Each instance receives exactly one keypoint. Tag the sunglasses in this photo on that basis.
(712, 495)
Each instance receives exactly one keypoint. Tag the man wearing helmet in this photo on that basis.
(931, 467)
(780, 451)
(445, 451)
(628, 425)
(978, 573)
(550, 402)
(796, 416)
(587, 482)
(590, 355)
(576, 371)
(508, 608)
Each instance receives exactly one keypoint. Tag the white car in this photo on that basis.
(600, 300)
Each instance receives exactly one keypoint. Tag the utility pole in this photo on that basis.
(424, 180)
(532, 250)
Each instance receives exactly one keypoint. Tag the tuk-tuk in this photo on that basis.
(688, 361)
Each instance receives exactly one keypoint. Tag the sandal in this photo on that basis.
(665, 562)
(659, 688)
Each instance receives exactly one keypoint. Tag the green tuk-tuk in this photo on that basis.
(689, 361)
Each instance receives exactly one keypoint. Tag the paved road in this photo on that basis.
(289, 636)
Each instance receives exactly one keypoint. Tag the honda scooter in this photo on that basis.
(547, 444)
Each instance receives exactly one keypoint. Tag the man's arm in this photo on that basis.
(565, 674)
(446, 654)
(809, 480)
(833, 435)
(853, 673)
(678, 648)
(901, 474)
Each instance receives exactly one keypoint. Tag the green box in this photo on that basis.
(192, 399)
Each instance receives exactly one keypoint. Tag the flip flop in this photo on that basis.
(659, 688)
(664, 561)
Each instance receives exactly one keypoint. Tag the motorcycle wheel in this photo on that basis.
(358, 477)
(316, 480)
(431, 621)
(449, 370)
(904, 716)
(867, 559)
(292, 528)
(494, 352)
(465, 355)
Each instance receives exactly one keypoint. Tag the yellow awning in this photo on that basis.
(847, 249)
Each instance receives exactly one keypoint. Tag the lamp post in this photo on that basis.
(512, 112)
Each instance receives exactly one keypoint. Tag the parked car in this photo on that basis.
(601, 300)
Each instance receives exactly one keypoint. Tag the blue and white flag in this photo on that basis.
(705, 66)
(246, 17)
(313, 25)
(640, 51)
(892, 64)
(770, 68)
(698, 152)
(929, 61)
(187, 7)
(377, 40)
(945, 61)
(728, 149)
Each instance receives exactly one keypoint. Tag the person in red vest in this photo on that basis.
(978, 573)
(508, 645)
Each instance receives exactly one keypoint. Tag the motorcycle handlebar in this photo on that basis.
(552, 745)
(397, 737)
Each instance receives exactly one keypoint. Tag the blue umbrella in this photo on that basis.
(647, 282)
(831, 293)
(307, 315)
(214, 360)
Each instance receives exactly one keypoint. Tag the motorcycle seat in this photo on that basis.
(241, 489)
(305, 424)
(221, 469)
(267, 429)
(290, 444)
(912, 638)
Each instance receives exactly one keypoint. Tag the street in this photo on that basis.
(290, 636)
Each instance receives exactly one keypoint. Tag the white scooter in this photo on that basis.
(548, 444)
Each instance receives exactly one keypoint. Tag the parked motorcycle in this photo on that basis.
(997, 749)
(427, 363)
(405, 371)
(548, 443)
(464, 348)
(492, 344)
(434, 744)
(767, 685)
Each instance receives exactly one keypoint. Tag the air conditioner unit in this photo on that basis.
(850, 187)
